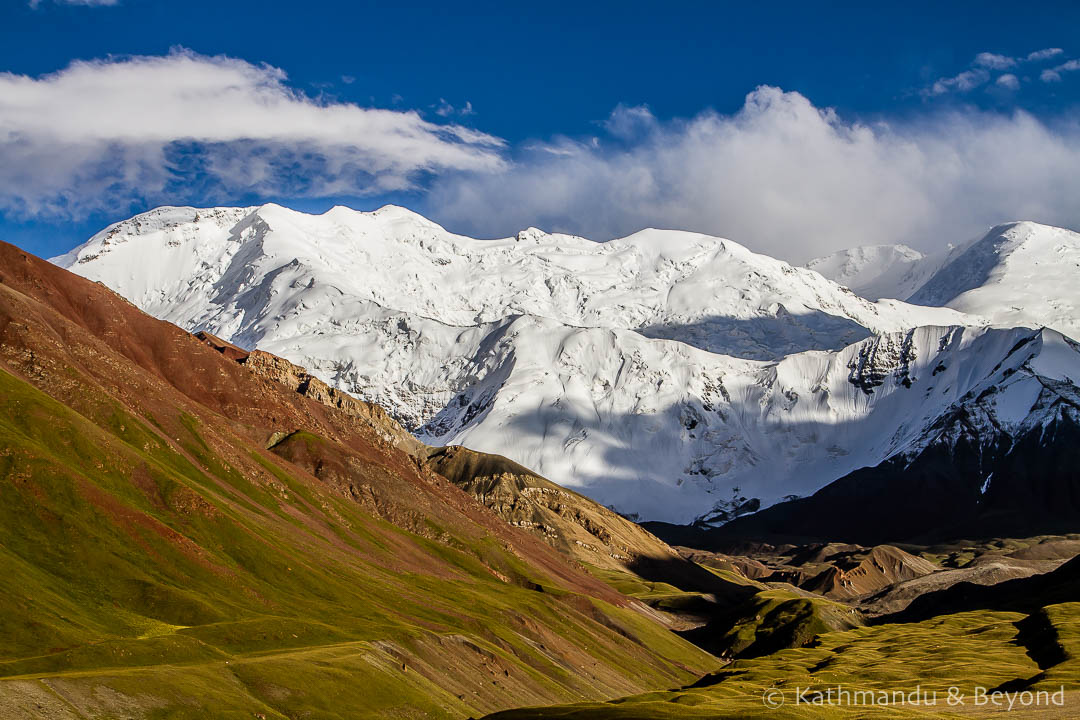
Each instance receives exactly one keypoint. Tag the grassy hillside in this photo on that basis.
(179, 538)
(987, 648)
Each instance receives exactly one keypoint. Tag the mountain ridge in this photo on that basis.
(1001, 276)
(1017, 274)
(599, 365)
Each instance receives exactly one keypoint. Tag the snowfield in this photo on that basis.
(1020, 273)
(670, 375)
(883, 271)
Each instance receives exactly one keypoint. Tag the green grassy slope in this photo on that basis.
(156, 560)
(991, 649)
(1020, 637)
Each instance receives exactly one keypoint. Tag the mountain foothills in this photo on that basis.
(671, 376)
(191, 530)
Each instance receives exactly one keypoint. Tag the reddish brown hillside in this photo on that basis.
(238, 546)
(77, 321)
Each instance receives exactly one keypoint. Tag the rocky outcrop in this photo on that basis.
(279, 370)
(579, 527)
(881, 357)
(882, 567)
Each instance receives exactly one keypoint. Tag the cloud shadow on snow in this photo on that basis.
(763, 338)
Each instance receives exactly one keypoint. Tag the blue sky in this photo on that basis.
(790, 128)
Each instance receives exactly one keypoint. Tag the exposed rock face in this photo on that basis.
(572, 523)
(885, 565)
(226, 348)
(878, 359)
(280, 370)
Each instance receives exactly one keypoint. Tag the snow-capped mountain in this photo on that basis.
(668, 374)
(1017, 274)
(884, 271)
(1000, 462)
(879, 271)
(708, 292)
(874, 271)
(1020, 273)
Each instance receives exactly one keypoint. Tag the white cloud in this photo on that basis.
(784, 177)
(1040, 55)
(1051, 75)
(104, 133)
(628, 122)
(964, 82)
(978, 75)
(445, 109)
(994, 61)
(1009, 81)
(88, 3)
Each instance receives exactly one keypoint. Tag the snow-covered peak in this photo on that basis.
(1020, 273)
(1017, 274)
(709, 292)
(873, 271)
(670, 374)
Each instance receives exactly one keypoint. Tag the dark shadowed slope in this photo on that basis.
(965, 482)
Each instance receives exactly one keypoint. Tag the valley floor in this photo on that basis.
(855, 674)
(937, 658)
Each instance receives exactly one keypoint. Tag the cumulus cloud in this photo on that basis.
(783, 177)
(1053, 74)
(994, 61)
(101, 134)
(1040, 55)
(985, 62)
(1009, 81)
